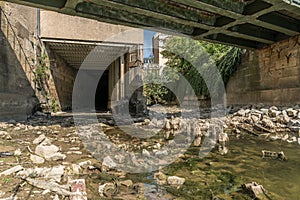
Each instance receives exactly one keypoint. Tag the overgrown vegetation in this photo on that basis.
(42, 74)
(54, 105)
(189, 57)
(155, 89)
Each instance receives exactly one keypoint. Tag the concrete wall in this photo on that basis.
(158, 42)
(21, 53)
(60, 26)
(270, 76)
(16, 90)
(63, 80)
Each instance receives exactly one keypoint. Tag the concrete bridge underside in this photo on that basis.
(245, 23)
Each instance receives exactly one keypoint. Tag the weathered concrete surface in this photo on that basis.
(252, 24)
(269, 76)
(23, 55)
(78, 28)
(16, 92)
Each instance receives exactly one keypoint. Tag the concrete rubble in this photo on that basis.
(12, 170)
(55, 173)
(50, 155)
(255, 190)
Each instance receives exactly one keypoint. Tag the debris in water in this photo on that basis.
(78, 190)
(275, 155)
(3, 154)
(255, 190)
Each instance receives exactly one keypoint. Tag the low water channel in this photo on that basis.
(221, 176)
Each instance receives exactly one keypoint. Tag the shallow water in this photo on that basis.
(244, 163)
(222, 175)
(280, 178)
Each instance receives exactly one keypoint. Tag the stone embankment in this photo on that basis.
(273, 123)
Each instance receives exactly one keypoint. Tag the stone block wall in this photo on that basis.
(269, 75)
(21, 52)
(16, 50)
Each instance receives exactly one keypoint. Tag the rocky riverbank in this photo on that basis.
(45, 157)
(273, 123)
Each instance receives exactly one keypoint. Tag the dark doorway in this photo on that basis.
(101, 97)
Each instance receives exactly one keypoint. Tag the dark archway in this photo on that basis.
(101, 96)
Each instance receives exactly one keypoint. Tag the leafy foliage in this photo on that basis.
(182, 52)
(154, 88)
(41, 70)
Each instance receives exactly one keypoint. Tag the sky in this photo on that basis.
(148, 43)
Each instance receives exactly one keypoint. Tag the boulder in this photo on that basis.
(49, 152)
(294, 125)
(39, 139)
(241, 113)
(36, 159)
(127, 183)
(175, 180)
(291, 112)
(268, 123)
(146, 153)
(108, 162)
(273, 113)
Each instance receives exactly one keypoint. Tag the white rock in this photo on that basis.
(88, 162)
(50, 152)
(51, 185)
(17, 128)
(55, 173)
(36, 159)
(254, 118)
(12, 170)
(74, 152)
(3, 133)
(2, 193)
(175, 180)
(161, 153)
(291, 112)
(12, 197)
(76, 169)
(273, 113)
(56, 197)
(46, 141)
(101, 190)
(267, 123)
(107, 161)
(292, 139)
(46, 151)
(120, 158)
(241, 113)
(46, 191)
(285, 137)
(264, 111)
(39, 139)
(17, 152)
(157, 146)
(273, 108)
(127, 183)
(56, 156)
(146, 153)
